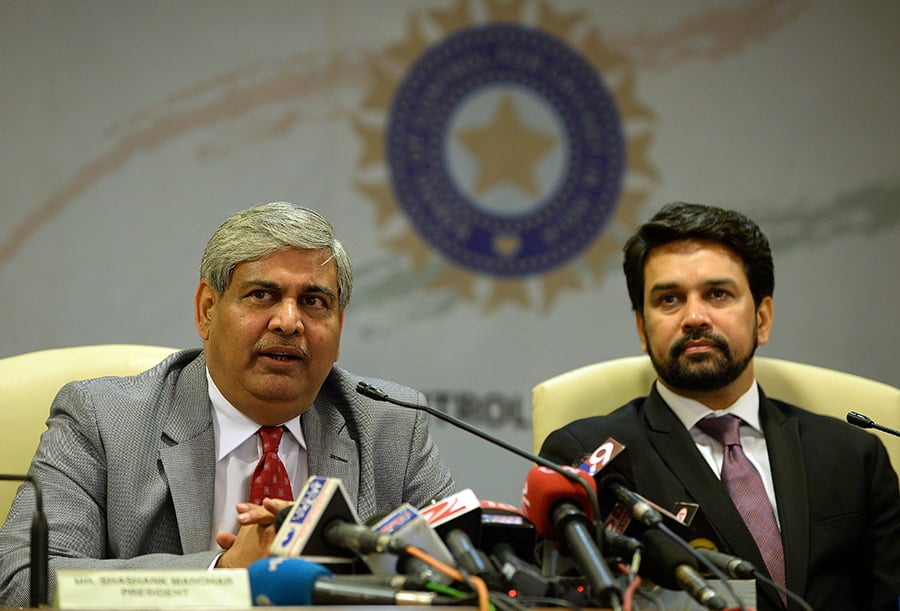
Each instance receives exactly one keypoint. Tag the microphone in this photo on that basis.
(471, 559)
(610, 466)
(361, 539)
(613, 484)
(732, 566)
(621, 545)
(554, 505)
(352, 537)
(459, 510)
(298, 582)
(669, 566)
(651, 517)
(40, 546)
(640, 509)
(864, 422)
(738, 568)
(322, 524)
(373, 392)
(520, 577)
(485, 522)
(602, 577)
(505, 523)
(407, 523)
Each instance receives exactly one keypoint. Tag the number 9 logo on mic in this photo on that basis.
(602, 456)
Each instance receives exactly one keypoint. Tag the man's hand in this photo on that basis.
(255, 536)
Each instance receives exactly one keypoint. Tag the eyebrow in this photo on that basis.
(668, 286)
(309, 288)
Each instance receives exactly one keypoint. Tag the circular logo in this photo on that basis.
(469, 114)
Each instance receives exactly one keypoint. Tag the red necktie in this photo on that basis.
(270, 478)
(746, 489)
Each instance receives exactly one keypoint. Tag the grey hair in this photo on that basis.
(254, 233)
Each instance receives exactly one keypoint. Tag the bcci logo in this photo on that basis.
(506, 153)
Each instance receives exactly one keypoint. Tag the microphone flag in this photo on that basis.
(610, 464)
(322, 500)
(459, 510)
(408, 523)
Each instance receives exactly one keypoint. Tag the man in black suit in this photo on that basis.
(701, 281)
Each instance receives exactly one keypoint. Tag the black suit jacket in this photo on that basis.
(838, 500)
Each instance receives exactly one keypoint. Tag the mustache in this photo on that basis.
(717, 340)
(302, 349)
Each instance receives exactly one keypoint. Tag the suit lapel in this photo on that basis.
(189, 457)
(789, 475)
(332, 452)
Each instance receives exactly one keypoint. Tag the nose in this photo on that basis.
(696, 315)
(286, 319)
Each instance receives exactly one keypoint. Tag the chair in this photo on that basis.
(601, 387)
(30, 381)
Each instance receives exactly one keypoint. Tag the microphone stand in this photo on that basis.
(376, 393)
(39, 566)
(373, 392)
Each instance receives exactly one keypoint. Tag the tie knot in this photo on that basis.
(724, 429)
(271, 438)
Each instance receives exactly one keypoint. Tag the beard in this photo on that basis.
(701, 372)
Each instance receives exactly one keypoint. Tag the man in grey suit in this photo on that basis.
(701, 281)
(154, 470)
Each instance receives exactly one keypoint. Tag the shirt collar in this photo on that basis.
(233, 428)
(690, 411)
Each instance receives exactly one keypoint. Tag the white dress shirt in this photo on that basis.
(238, 450)
(690, 412)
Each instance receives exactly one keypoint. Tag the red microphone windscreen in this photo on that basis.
(544, 488)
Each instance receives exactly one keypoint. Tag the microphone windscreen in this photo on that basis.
(544, 488)
(284, 581)
(662, 556)
(505, 523)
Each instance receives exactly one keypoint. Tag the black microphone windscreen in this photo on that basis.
(857, 419)
(662, 556)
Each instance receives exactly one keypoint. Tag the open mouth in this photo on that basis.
(284, 355)
(281, 357)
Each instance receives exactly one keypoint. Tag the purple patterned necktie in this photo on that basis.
(746, 489)
(270, 479)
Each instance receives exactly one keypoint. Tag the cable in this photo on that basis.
(634, 582)
(796, 598)
(476, 582)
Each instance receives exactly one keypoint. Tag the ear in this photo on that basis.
(204, 301)
(764, 316)
(639, 323)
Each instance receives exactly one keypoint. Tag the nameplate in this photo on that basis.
(152, 589)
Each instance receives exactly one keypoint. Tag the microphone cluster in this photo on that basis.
(581, 538)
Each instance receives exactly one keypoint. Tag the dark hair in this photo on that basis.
(683, 221)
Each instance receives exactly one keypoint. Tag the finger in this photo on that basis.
(244, 507)
(256, 515)
(276, 505)
(225, 540)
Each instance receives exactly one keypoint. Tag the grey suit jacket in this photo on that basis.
(127, 467)
(838, 500)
